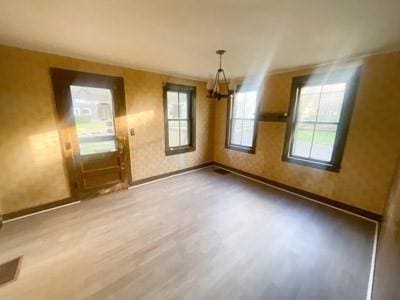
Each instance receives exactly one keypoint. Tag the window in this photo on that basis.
(179, 117)
(319, 117)
(104, 111)
(95, 133)
(241, 120)
(86, 111)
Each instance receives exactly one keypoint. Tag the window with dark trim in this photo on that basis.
(179, 118)
(319, 116)
(241, 127)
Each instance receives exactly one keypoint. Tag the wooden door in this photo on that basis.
(94, 136)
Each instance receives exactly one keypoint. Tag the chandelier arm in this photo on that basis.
(223, 73)
(226, 82)
(216, 80)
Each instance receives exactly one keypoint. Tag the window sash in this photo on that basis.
(315, 123)
(335, 117)
(242, 144)
(179, 120)
(180, 136)
(233, 119)
(312, 144)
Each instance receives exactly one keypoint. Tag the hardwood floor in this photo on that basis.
(200, 235)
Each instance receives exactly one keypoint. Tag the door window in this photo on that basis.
(94, 119)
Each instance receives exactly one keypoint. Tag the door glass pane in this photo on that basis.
(302, 140)
(183, 106)
(173, 108)
(324, 139)
(94, 119)
(173, 133)
(96, 147)
(184, 133)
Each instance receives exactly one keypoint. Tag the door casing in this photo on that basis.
(62, 80)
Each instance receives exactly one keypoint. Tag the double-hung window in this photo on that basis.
(319, 116)
(242, 120)
(179, 118)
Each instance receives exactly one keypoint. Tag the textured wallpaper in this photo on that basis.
(31, 160)
(372, 147)
(31, 164)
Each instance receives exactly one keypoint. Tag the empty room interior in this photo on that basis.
(200, 149)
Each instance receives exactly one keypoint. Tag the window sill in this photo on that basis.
(179, 150)
(243, 149)
(312, 164)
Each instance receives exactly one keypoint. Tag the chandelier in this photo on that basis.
(214, 90)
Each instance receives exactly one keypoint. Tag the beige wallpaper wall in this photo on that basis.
(372, 147)
(31, 164)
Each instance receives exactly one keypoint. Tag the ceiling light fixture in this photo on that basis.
(214, 90)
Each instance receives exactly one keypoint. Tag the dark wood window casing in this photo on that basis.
(179, 118)
(252, 121)
(334, 139)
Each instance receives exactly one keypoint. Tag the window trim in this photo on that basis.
(352, 77)
(192, 123)
(229, 110)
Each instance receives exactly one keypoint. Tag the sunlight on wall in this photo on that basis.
(140, 119)
(32, 166)
(349, 66)
(141, 123)
(33, 169)
(372, 142)
(42, 147)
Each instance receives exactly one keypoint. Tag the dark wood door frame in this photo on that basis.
(61, 80)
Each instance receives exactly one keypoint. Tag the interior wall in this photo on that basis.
(31, 164)
(387, 270)
(371, 149)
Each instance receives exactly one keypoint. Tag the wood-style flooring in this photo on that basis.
(200, 235)
(387, 271)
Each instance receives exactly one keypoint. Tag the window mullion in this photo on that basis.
(296, 112)
(312, 141)
(232, 118)
(244, 114)
(188, 117)
(179, 120)
(316, 122)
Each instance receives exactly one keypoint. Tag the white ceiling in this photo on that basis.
(181, 36)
